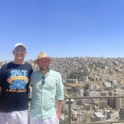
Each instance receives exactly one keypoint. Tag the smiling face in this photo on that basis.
(43, 63)
(19, 53)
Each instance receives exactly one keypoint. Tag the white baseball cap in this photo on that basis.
(20, 44)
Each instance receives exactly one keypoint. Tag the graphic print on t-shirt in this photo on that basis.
(18, 80)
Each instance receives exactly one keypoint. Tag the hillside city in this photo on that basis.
(90, 76)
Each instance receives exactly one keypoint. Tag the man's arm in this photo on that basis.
(60, 102)
(59, 95)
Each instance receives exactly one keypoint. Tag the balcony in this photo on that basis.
(79, 120)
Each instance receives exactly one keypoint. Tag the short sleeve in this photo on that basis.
(31, 79)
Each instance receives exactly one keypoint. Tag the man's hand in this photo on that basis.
(58, 114)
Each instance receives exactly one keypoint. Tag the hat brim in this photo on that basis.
(50, 60)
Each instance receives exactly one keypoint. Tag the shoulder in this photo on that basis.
(28, 64)
(36, 73)
(55, 72)
(6, 65)
(35, 76)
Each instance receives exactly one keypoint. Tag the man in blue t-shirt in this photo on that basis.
(14, 83)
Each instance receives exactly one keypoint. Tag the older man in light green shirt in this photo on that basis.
(47, 84)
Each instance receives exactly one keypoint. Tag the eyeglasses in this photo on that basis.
(20, 50)
(43, 80)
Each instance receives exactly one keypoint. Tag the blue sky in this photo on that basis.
(62, 28)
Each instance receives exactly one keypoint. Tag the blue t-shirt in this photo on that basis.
(14, 81)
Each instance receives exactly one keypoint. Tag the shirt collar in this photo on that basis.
(45, 74)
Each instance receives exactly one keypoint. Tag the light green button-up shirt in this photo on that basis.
(43, 96)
